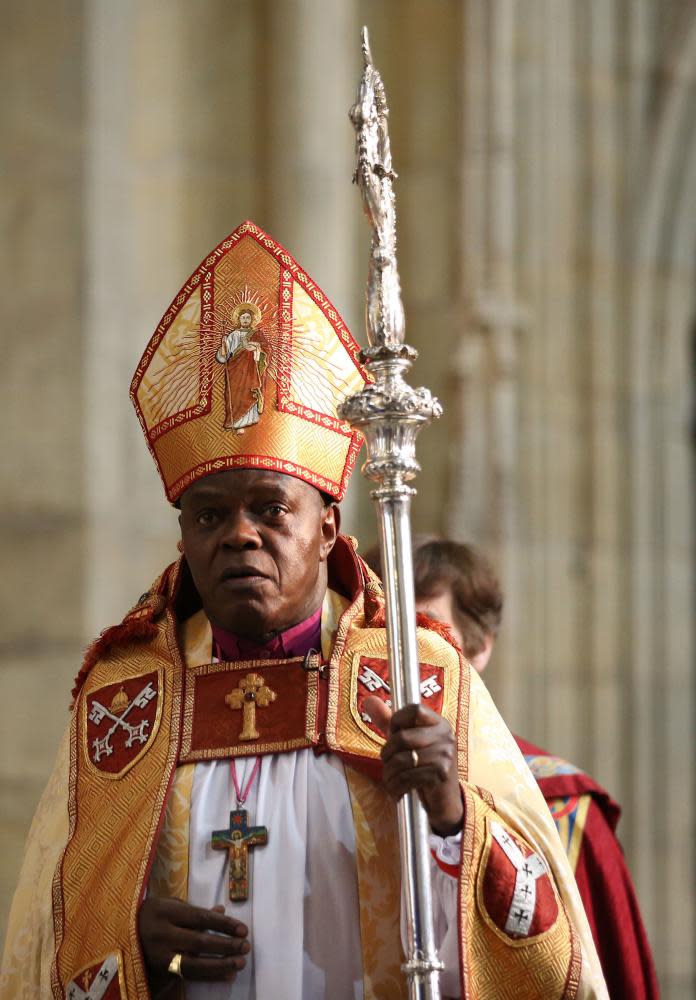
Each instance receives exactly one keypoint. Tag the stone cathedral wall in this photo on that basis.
(547, 220)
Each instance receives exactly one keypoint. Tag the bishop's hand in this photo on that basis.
(420, 755)
(212, 945)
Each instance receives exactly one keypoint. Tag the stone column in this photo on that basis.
(174, 137)
(311, 64)
(484, 505)
(42, 524)
(661, 533)
(602, 287)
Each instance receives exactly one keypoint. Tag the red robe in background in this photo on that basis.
(586, 818)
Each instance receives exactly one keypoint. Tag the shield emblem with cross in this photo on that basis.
(98, 981)
(121, 722)
(516, 894)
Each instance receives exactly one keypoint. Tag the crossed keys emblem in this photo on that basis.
(373, 682)
(119, 708)
(370, 677)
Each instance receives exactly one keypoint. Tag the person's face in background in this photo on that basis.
(439, 606)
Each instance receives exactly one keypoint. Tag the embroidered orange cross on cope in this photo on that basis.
(251, 694)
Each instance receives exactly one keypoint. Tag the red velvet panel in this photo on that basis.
(499, 886)
(216, 727)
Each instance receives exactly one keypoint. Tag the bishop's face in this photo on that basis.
(256, 543)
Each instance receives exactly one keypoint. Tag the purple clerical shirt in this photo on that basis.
(294, 641)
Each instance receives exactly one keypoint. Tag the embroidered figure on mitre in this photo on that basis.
(245, 361)
(249, 347)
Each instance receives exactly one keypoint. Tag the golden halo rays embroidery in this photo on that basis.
(246, 370)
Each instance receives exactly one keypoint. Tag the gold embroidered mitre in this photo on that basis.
(246, 370)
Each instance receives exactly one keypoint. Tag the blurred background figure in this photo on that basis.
(456, 584)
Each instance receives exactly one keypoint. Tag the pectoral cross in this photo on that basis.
(237, 840)
(251, 694)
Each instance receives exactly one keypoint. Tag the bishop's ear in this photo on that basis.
(330, 527)
(180, 543)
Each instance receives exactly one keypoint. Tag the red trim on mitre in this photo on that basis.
(331, 314)
(204, 403)
(284, 401)
(257, 462)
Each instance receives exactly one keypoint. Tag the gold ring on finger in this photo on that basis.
(175, 966)
(414, 758)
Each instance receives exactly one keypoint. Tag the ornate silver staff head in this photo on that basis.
(389, 412)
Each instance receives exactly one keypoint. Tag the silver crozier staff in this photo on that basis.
(390, 413)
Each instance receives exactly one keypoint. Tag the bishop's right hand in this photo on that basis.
(211, 944)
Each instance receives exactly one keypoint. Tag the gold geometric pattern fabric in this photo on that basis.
(169, 874)
(246, 370)
(98, 882)
(545, 967)
(379, 883)
(345, 728)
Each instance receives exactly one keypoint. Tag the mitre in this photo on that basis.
(246, 370)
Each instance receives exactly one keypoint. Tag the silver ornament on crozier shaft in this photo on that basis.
(389, 413)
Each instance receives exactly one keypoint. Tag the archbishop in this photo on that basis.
(221, 821)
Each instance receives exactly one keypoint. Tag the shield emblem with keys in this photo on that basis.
(122, 720)
(371, 677)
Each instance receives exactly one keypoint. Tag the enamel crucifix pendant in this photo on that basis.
(237, 840)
